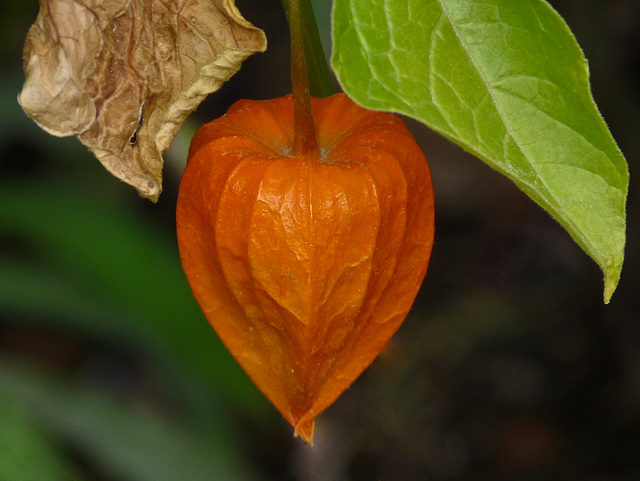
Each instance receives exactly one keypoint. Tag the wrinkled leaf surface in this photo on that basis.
(123, 75)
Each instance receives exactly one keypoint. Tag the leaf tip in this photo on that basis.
(609, 288)
(611, 279)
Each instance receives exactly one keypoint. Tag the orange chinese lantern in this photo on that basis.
(305, 247)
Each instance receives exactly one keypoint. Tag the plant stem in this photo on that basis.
(304, 134)
(320, 80)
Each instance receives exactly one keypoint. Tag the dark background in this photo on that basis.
(509, 367)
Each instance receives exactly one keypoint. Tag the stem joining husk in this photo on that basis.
(304, 134)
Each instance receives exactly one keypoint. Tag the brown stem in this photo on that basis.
(304, 134)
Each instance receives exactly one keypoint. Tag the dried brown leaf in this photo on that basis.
(123, 75)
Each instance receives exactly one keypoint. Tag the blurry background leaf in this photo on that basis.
(506, 81)
(134, 289)
(25, 453)
(126, 440)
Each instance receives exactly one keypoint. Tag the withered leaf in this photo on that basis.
(123, 75)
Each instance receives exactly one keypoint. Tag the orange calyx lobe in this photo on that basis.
(305, 265)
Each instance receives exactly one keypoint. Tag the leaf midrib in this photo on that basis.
(488, 86)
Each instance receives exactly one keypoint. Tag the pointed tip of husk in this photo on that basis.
(304, 429)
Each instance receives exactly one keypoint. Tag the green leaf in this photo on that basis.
(507, 82)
